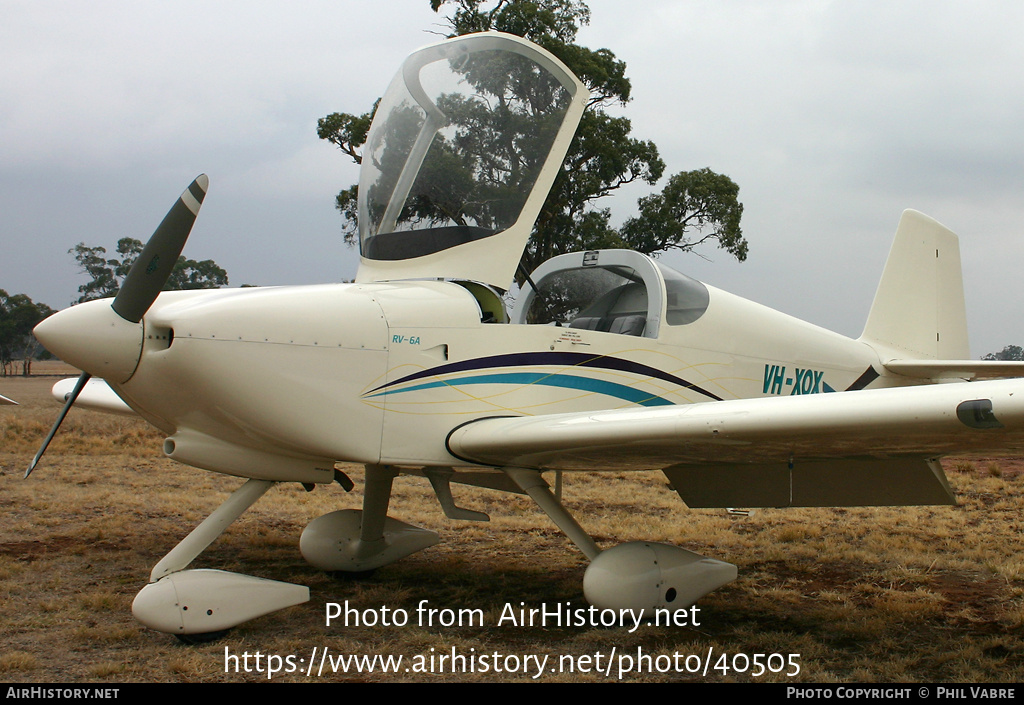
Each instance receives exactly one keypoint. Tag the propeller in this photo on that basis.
(90, 338)
(152, 269)
(83, 378)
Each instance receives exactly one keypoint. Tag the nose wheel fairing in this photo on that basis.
(182, 602)
(205, 601)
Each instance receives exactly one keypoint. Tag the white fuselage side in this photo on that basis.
(382, 372)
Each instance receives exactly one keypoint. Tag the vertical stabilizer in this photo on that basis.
(919, 312)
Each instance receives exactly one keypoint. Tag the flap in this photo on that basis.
(816, 483)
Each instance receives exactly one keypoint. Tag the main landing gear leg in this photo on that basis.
(356, 541)
(640, 576)
(533, 484)
(198, 604)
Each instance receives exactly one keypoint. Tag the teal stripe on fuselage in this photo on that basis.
(620, 391)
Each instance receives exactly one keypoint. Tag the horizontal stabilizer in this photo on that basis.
(956, 369)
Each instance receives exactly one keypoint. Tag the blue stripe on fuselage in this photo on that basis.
(565, 359)
(587, 384)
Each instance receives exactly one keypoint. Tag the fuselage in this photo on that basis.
(382, 372)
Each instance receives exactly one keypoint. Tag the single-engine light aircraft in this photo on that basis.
(607, 360)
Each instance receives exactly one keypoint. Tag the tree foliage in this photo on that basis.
(107, 274)
(1010, 352)
(694, 208)
(18, 316)
(697, 201)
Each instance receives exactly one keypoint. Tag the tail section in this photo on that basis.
(918, 312)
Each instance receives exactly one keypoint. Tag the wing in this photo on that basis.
(97, 395)
(866, 447)
(5, 400)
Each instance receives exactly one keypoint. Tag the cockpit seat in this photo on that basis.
(586, 322)
(622, 325)
(628, 325)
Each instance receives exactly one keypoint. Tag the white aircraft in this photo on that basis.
(4, 400)
(607, 360)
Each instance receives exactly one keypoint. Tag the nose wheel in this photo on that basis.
(204, 638)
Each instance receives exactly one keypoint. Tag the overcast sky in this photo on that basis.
(831, 116)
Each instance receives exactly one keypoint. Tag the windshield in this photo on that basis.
(613, 291)
(456, 147)
(587, 296)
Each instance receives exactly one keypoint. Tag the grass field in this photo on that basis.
(867, 595)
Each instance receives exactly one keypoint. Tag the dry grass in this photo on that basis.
(902, 594)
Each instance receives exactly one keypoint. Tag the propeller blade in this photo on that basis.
(144, 282)
(151, 270)
(60, 419)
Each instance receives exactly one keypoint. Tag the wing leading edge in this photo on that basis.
(97, 396)
(871, 447)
